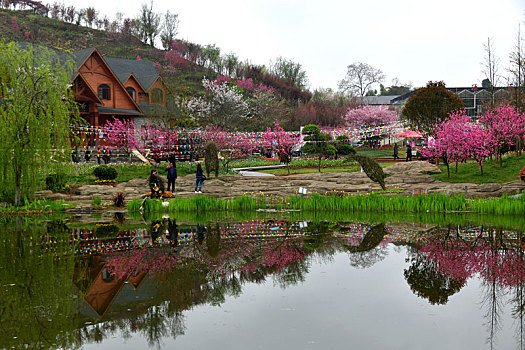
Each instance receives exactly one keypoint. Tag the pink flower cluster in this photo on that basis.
(459, 138)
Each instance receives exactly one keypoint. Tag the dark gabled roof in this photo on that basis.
(57, 58)
(143, 70)
(121, 111)
(80, 56)
(152, 109)
(378, 100)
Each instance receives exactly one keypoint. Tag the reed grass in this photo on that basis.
(377, 202)
(200, 204)
(433, 203)
(35, 206)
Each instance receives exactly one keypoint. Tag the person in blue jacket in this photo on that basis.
(172, 176)
(199, 179)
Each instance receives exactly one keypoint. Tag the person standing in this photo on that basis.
(87, 154)
(396, 151)
(409, 153)
(99, 155)
(172, 176)
(105, 155)
(199, 178)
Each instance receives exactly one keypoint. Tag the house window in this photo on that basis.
(104, 92)
(157, 96)
(131, 91)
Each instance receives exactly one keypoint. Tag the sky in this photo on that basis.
(413, 40)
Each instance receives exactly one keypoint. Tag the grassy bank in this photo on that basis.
(35, 207)
(435, 203)
(493, 172)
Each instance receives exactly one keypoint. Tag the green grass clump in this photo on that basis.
(199, 204)
(499, 206)
(96, 201)
(433, 203)
(376, 202)
(37, 205)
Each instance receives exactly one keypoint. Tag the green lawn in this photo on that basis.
(492, 172)
(126, 172)
(468, 172)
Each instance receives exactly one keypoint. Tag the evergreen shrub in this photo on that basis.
(104, 172)
(56, 182)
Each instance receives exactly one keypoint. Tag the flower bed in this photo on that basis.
(105, 182)
(522, 174)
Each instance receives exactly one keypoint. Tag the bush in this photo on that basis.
(522, 174)
(211, 158)
(344, 149)
(371, 168)
(104, 172)
(56, 182)
(118, 199)
(96, 201)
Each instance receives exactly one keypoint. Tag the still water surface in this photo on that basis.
(260, 283)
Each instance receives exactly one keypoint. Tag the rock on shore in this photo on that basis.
(410, 177)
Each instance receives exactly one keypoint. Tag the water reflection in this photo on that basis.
(65, 285)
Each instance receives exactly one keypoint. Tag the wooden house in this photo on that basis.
(114, 87)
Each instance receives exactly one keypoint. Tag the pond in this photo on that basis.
(262, 281)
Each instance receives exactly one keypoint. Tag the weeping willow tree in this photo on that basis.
(35, 110)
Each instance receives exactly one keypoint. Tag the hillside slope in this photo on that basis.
(67, 37)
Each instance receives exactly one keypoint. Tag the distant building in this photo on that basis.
(474, 98)
(378, 100)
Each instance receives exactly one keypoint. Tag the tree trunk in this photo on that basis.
(17, 195)
(319, 166)
(18, 178)
(448, 170)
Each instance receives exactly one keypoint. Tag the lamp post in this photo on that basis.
(511, 86)
(475, 89)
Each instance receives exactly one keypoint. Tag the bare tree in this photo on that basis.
(490, 69)
(359, 78)
(517, 63)
(91, 16)
(170, 28)
(149, 24)
(81, 16)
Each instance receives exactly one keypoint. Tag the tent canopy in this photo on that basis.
(410, 134)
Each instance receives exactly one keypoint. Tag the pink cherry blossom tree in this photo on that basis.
(369, 116)
(121, 134)
(506, 127)
(452, 134)
(232, 145)
(478, 144)
(281, 142)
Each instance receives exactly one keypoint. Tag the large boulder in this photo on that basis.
(417, 167)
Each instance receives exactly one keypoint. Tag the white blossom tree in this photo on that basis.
(223, 106)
